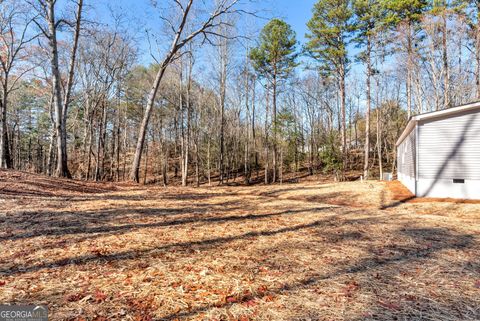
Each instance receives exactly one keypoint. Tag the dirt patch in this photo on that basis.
(399, 191)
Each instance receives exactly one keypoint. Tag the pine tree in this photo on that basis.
(470, 10)
(368, 14)
(274, 59)
(406, 13)
(331, 31)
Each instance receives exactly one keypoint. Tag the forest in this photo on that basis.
(221, 90)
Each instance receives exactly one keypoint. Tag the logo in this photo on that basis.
(23, 313)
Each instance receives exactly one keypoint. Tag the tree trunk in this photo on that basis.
(104, 140)
(209, 164)
(223, 81)
(343, 117)
(186, 152)
(5, 159)
(197, 165)
(165, 168)
(89, 151)
(266, 135)
(99, 146)
(379, 142)
(68, 89)
(366, 165)
(145, 171)
(409, 71)
(446, 69)
(62, 163)
(50, 156)
(274, 112)
(134, 174)
(247, 142)
(117, 145)
(281, 165)
(254, 138)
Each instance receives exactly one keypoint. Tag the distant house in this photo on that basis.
(439, 153)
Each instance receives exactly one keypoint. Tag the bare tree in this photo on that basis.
(14, 37)
(49, 28)
(206, 28)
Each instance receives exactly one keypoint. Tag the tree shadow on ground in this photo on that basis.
(204, 244)
(439, 239)
(401, 195)
(350, 199)
(279, 191)
(25, 225)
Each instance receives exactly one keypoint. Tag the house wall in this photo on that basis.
(448, 150)
(445, 188)
(406, 155)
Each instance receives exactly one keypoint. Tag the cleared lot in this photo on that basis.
(308, 251)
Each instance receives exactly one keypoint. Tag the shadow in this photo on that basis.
(399, 195)
(428, 241)
(79, 227)
(395, 203)
(200, 244)
(346, 236)
(196, 196)
(296, 178)
(277, 192)
(338, 199)
(344, 198)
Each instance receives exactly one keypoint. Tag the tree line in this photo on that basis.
(219, 103)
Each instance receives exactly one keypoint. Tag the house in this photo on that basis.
(439, 153)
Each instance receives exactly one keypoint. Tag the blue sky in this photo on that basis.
(142, 16)
(140, 13)
(296, 13)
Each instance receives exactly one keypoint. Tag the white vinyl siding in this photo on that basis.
(406, 156)
(449, 148)
(406, 160)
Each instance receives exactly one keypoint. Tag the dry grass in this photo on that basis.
(304, 251)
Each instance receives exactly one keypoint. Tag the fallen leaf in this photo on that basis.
(74, 297)
(250, 303)
(231, 299)
(269, 298)
(262, 289)
(350, 288)
(100, 296)
(2, 283)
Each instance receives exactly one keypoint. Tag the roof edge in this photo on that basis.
(410, 126)
(436, 114)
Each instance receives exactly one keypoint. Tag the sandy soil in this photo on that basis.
(307, 251)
